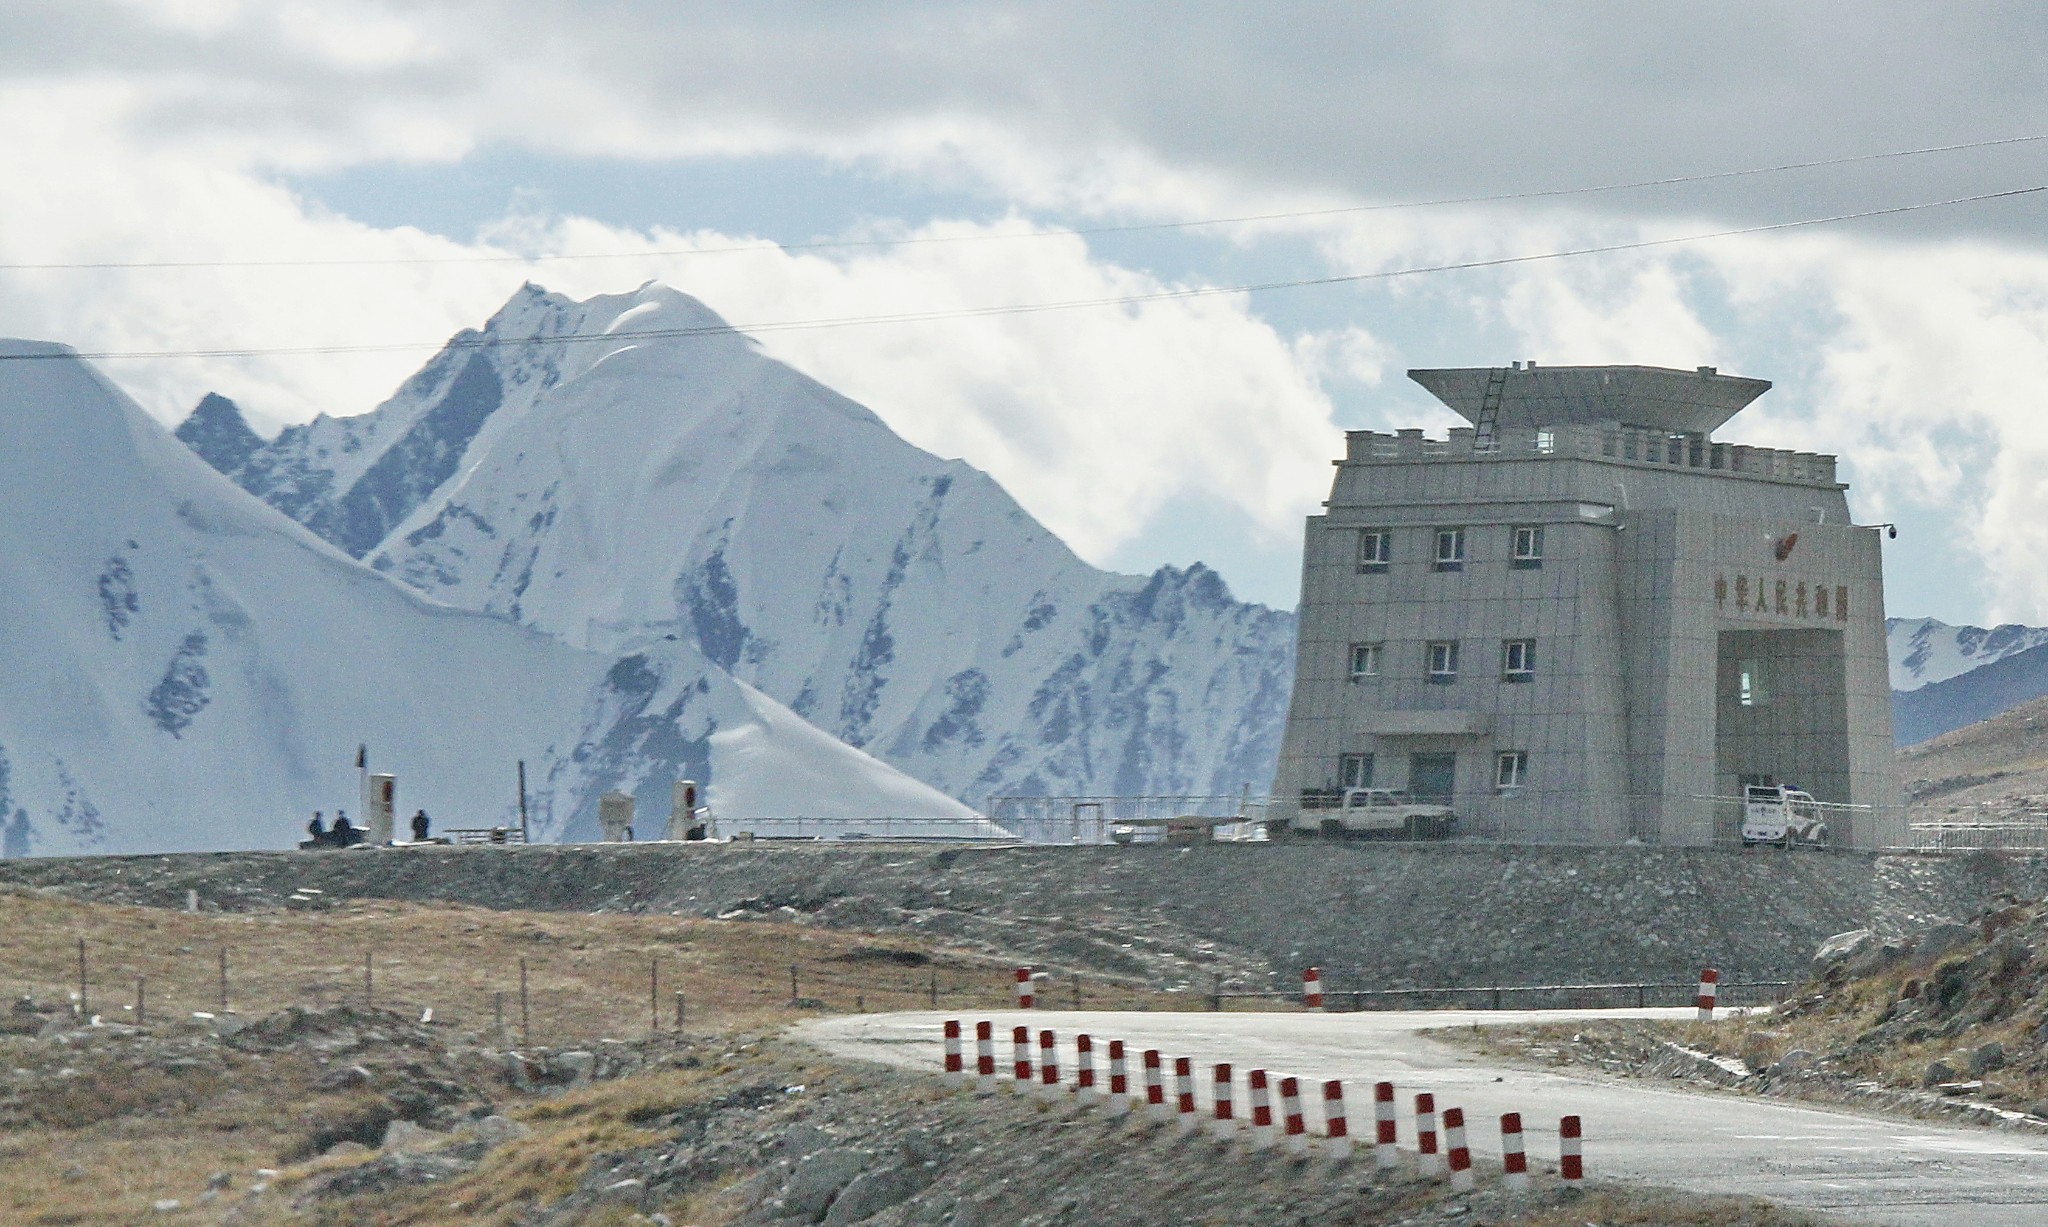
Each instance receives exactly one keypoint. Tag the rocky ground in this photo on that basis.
(1249, 916)
(1950, 1021)
(400, 1123)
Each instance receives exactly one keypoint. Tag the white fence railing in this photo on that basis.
(1094, 820)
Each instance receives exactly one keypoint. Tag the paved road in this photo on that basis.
(1866, 1168)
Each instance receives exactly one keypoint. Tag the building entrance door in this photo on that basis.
(1432, 777)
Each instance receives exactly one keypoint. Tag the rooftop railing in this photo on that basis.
(1596, 441)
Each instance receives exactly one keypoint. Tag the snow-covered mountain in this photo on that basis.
(616, 471)
(186, 668)
(1924, 650)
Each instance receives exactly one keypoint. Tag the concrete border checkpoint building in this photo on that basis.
(1582, 618)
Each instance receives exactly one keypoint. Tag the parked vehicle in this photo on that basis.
(1776, 814)
(1378, 813)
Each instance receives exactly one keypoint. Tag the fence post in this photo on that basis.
(525, 1019)
(141, 983)
(679, 1010)
(935, 988)
(654, 995)
(792, 984)
(369, 983)
(223, 979)
(84, 1007)
(1216, 991)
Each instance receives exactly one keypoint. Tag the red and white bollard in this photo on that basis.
(1335, 1127)
(1429, 1161)
(1294, 1124)
(1119, 1080)
(984, 1058)
(1184, 1094)
(1049, 1063)
(1460, 1154)
(1514, 1161)
(1026, 997)
(1710, 988)
(1262, 1109)
(1571, 1164)
(1224, 1121)
(1020, 1059)
(1084, 1069)
(1312, 989)
(1383, 1112)
(956, 1069)
(1155, 1087)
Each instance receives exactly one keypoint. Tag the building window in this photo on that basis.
(1355, 770)
(1517, 660)
(1511, 770)
(1375, 549)
(1450, 549)
(1365, 660)
(1528, 547)
(1443, 661)
(1750, 688)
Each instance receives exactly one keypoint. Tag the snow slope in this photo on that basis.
(644, 471)
(1925, 651)
(188, 669)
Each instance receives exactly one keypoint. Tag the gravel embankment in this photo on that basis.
(1370, 916)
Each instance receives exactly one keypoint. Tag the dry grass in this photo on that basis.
(142, 1138)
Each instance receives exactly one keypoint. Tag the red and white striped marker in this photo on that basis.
(1184, 1094)
(1429, 1161)
(1710, 988)
(1335, 1128)
(1571, 1164)
(1155, 1087)
(1514, 1161)
(1049, 1062)
(1293, 1123)
(1020, 1059)
(1025, 996)
(1461, 1155)
(1262, 1109)
(1383, 1112)
(984, 1058)
(1224, 1122)
(1119, 1080)
(1312, 988)
(1084, 1068)
(956, 1071)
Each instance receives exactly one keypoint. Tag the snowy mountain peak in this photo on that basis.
(628, 468)
(1924, 650)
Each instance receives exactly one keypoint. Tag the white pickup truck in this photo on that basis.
(1774, 814)
(1382, 813)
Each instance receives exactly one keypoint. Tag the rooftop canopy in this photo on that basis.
(1651, 396)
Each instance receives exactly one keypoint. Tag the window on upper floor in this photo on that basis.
(1375, 549)
(1528, 554)
(1441, 658)
(1511, 770)
(1517, 660)
(1354, 770)
(1450, 549)
(1365, 661)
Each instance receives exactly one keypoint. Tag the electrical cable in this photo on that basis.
(908, 317)
(1072, 232)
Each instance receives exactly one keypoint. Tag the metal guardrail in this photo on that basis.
(485, 835)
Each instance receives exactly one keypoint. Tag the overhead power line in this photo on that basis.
(908, 317)
(1061, 232)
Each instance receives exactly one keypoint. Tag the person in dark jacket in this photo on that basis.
(317, 829)
(343, 834)
(419, 827)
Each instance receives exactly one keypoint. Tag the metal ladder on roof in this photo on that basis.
(1488, 420)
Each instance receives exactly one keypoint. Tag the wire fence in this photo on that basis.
(1229, 817)
(974, 829)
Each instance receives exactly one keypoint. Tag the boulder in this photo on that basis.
(1793, 1061)
(872, 1192)
(1937, 1073)
(1987, 1057)
(1941, 939)
(819, 1179)
(1840, 949)
(402, 1136)
(576, 1065)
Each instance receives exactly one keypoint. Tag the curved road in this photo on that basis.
(1864, 1167)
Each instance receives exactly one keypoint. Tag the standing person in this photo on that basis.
(343, 834)
(419, 827)
(318, 830)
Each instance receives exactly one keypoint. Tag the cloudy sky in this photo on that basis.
(281, 176)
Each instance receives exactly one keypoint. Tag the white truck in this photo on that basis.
(1776, 814)
(1381, 813)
